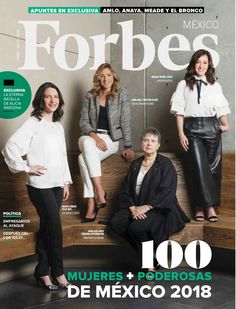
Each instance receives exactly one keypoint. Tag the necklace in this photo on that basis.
(147, 164)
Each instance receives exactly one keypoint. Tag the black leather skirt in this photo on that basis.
(204, 159)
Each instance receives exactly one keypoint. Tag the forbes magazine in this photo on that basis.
(117, 136)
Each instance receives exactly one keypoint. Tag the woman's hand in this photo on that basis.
(184, 141)
(38, 170)
(182, 137)
(66, 193)
(224, 124)
(224, 128)
(128, 154)
(139, 212)
(100, 143)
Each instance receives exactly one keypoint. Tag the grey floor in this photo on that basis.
(22, 294)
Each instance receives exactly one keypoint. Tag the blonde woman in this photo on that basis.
(105, 119)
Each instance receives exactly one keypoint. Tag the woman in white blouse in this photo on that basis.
(41, 138)
(201, 112)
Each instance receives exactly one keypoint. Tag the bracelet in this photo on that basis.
(127, 147)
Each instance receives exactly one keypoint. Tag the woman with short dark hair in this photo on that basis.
(148, 207)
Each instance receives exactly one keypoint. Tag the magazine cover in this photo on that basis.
(117, 138)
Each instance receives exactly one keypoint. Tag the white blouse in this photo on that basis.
(43, 143)
(139, 181)
(184, 101)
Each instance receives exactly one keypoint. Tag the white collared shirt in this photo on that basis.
(43, 143)
(184, 101)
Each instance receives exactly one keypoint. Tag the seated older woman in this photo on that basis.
(149, 209)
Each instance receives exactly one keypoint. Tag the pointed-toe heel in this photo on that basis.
(63, 285)
(60, 285)
(41, 284)
(86, 220)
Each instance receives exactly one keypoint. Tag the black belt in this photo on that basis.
(101, 131)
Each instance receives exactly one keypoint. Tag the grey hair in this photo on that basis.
(152, 131)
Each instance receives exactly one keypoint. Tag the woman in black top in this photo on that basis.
(149, 209)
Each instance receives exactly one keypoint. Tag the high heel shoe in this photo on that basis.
(212, 219)
(211, 214)
(63, 285)
(41, 284)
(86, 220)
(103, 205)
(60, 285)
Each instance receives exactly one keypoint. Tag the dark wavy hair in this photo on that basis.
(210, 74)
(152, 131)
(97, 88)
(38, 102)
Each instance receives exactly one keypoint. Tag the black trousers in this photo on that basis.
(204, 159)
(49, 237)
(134, 231)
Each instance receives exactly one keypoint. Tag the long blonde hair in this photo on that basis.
(97, 88)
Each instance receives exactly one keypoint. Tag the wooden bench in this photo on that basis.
(13, 197)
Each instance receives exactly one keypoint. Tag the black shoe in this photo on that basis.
(199, 218)
(63, 285)
(104, 222)
(96, 209)
(41, 284)
(103, 205)
(60, 285)
(85, 220)
(212, 219)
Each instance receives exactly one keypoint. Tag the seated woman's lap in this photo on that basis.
(87, 146)
(124, 224)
